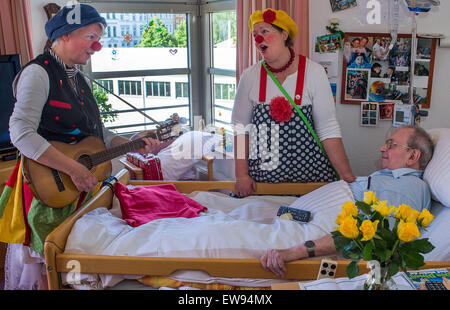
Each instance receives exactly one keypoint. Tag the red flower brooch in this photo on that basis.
(280, 109)
(269, 16)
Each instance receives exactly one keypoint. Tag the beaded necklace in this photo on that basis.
(289, 63)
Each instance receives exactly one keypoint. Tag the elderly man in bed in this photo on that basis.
(404, 156)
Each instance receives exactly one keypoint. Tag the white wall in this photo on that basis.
(362, 143)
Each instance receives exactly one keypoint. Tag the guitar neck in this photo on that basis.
(116, 151)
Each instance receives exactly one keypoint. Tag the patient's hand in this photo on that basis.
(274, 260)
(244, 186)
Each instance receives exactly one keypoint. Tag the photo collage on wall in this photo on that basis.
(372, 73)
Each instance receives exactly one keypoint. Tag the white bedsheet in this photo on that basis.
(231, 228)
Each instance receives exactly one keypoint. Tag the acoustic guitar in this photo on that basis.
(56, 189)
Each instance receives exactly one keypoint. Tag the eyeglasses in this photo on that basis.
(390, 143)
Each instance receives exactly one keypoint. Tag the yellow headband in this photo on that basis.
(276, 17)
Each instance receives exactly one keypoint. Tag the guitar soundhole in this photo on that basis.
(86, 161)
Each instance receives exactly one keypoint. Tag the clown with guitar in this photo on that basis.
(54, 103)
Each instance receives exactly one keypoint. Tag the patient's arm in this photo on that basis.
(274, 260)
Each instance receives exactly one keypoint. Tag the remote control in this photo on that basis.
(435, 286)
(327, 269)
(295, 214)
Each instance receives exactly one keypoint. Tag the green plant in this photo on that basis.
(101, 97)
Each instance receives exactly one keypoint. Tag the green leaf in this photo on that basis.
(393, 268)
(364, 207)
(367, 253)
(420, 245)
(351, 251)
(352, 269)
(340, 241)
(388, 236)
(412, 259)
(381, 250)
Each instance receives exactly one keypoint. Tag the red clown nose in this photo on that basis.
(96, 46)
(259, 39)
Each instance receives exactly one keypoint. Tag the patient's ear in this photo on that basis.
(413, 160)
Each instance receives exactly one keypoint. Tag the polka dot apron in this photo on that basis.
(286, 151)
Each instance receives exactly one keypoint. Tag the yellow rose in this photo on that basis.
(424, 218)
(369, 197)
(407, 231)
(368, 229)
(348, 209)
(349, 228)
(407, 213)
(382, 208)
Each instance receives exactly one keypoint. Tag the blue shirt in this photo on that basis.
(399, 186)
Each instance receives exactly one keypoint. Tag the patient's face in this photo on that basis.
(397, 156)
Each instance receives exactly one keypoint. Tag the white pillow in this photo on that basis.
(437, 173)
(438, 232)
(325, 203)
(188, 149)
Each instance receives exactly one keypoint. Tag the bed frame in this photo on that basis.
(58, 262)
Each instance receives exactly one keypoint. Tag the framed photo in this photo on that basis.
(329, 43)
(372, 72)
(339, 5)
(369, 114)
(386, 111)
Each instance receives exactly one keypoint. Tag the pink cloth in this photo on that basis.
(143, 204)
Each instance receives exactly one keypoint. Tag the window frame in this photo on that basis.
(200, 70)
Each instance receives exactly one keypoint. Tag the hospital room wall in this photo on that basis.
(362, 143)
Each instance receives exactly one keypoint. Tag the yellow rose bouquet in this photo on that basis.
(364, 232)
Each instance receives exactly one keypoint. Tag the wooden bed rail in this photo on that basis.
(292, 189)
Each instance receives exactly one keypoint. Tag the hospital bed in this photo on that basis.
(59, 262)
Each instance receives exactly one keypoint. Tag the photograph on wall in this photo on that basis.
(356, 84)
(369, 113)
(339, 5)
(329, 43)
(386, 73)
(380, 48)
(386, 111)
(424, 46)
(420, 95)
(357, 45)
(400, 55)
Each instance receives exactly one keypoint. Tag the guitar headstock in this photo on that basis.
(168, 129)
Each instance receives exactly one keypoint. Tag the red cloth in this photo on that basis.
(143, 204)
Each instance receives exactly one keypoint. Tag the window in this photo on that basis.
(224, 91)
(159, 61)
(158, 89)
(223, 66)
(132, 88)
(108, 84)
(182, 90)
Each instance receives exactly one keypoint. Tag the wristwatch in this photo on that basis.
(310, 246)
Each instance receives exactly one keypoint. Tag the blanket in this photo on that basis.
(230, 228)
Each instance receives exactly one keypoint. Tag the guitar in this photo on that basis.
(56, 189)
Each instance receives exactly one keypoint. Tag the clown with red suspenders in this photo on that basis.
(284, 115)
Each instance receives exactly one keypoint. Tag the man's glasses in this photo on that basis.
(390, 143)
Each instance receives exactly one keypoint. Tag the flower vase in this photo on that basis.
(378, 278)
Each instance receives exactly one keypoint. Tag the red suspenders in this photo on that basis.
(300, 82)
